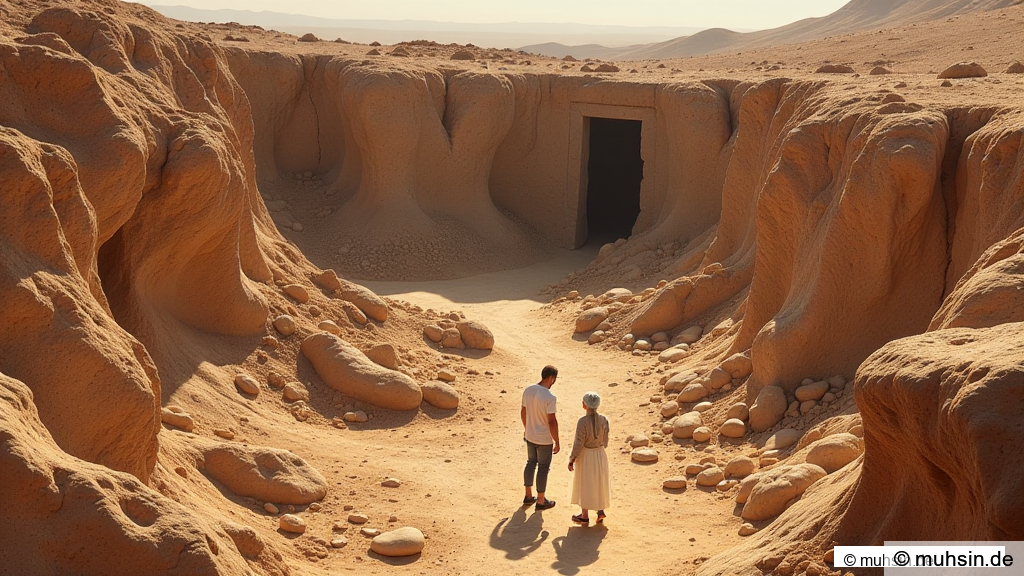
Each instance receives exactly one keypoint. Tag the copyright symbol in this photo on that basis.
(901, 558)
(850, 559)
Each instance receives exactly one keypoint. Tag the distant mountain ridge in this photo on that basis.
(855, 16)
(497, 35)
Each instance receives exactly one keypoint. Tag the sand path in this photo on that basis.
(480, 488)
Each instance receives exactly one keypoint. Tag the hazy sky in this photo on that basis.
(750, 14)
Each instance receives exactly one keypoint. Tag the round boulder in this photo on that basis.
(738, 365)
(669, 409)
(247, 384)
(590, 319)
(693, 392)
(739, 411)
(683, 426)
(768, 409)
(406, 541)
(702, 434)
(440, 395)
(644, 455)
(292, 523)
(740, 467)
(964, 70)
(776, 488)
(285, 324)
(835, 451)
(733, 428)
(710, 477)
(674, 483)
(475, 335)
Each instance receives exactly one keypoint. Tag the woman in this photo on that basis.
(591, 488)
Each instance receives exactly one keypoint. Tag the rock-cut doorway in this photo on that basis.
(615, 170)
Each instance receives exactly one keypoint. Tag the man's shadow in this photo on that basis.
(577, 548)
(521, 535)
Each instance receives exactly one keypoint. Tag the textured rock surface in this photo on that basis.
(267, 474)
(346, 369)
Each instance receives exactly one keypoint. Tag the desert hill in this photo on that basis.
(856, 16)
(269, 301)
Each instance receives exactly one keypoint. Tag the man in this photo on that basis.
(541, 435)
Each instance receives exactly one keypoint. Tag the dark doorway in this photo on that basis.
(614, 172)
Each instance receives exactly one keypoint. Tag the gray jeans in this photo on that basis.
(538, 458)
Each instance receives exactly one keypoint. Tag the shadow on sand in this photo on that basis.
(577, 548)
(520, 535)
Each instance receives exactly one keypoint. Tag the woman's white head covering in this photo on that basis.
(591, 400)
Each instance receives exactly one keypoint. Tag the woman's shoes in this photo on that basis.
(547, 504)
(529, 500)
(600, 517)
(581, 519)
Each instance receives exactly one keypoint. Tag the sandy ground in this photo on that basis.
(462, 471)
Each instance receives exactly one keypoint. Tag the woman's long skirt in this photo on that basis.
(591, 486)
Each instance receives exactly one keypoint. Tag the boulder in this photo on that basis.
(590, 319)
(812, 391)
(738, 411)
(738, 365)
(710, 477)
(679, 381)
(368, 302)
(247, 384)
(328, 280)
(344, 368)
(297, 292)
(475, 335)
(177, 419)
(285, 325)
(747, 529)
(440, 395)
(683, 426)
(616, 295)
(688, 336)
(462, 55)
(452, 338)
(596, 336)
(384, 355)
(1015, 68)
(703, 407)
(733, 428)
(702, 434)
(964, 70)
(746, 485)
(768, 409)
(669, 409)
(694, 392)
(292, 523)
(294, 392)
(674, 354)
(834, 69)
(266, 474)
(776, 488)
(782, 439)
(674, 483)
(433, 333)
(835, 451)
(644, 455)
(639, 440)
(879, 70)
(406, 541)
(329, 326)
(740, 467)
(717, 378)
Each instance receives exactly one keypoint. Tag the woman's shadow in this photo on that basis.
(520, 536)
(577, 548)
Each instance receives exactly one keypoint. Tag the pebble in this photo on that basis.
(702, 434)
(644, 455)
(329, 326)
(740, 467)
(702, 407)
(446, 376)
(247, 384)
(295, 391)
(357, 416)
(694, 469)
(710, 477)
(371, 532)
(639, 440)
(812, 391)
(292, 523)
(726, 485)
(669, 409)
(733, 428)
(358, 518)
(657, 438)
(297, 292)
(284, 324)
(276, 381)
(270, 342)
(391, 483)
(271, 509)
(224, 433)
(738, 411)
(393, 518)
(747, 529)
(402, 542)
(674, 483)
(177, 419)
(339, 542)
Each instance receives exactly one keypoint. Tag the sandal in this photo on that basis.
(581, 520)
(529, 500)
(546, 505)
(600, 518)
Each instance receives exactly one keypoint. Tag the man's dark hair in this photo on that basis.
(548, 370)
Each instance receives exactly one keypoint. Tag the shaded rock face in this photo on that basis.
(267, 474)
(941, 418)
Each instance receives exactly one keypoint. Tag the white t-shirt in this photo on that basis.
(539, 402)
